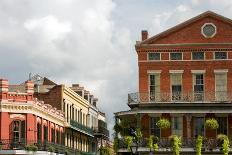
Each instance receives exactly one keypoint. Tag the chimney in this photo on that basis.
(144, 35)
(29, 87)
(3, 89)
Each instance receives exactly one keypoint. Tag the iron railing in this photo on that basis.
(80, 126)
(102, 130)
(13, 144)
(166, 143)
(195, 97)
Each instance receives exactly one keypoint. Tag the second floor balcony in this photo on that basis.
(180, 97)
(81, 127)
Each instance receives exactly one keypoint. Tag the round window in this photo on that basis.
(208, 30)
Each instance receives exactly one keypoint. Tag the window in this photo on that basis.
(153, 56)
(57, 136)
(198, 87)
(176, 86)
(221, 86)
(176, 56)
(45, 133)
(18, 131)
(53, 135)
(177, 123)
(222, 122)
(198, 55)
(220, 55)
(154, 129)
(39, 128)
(154, 87)
(208, 30)
(199, 126)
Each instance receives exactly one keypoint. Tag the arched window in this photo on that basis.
(18, 131)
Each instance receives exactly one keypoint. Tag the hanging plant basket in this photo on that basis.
(163, 123)
(211, 123)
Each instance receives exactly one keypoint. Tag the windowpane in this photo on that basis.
(198, 55)
(222, 122)
(176, 56)
(176, 82)
(199, 126)
(153, 56)
(198, 87)
(154, 86)
(221, 86)
(154, 129)
(220, 55)
(177, 123)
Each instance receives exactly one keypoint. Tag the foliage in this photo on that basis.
(128, 141)
(199, 145)
(163, 123)
(155, 147)
(67, 152)
(105, 150)
(211, 123)
(225, 144)
(116, 144)
(176, 144)
(51, 149)
(123, 128)
(117, 128)
(138, 134)
(150, 142)
(31, 147)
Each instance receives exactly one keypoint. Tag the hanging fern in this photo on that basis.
(163, 123)
(211, 123)
(199, 145)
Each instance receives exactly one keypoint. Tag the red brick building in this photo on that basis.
(24, 120)
(185, 75)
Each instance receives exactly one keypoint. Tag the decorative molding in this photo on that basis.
(221, 71)
(198, 71)
(176, 71)
(154, 71)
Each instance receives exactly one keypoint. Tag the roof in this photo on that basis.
(184, 24)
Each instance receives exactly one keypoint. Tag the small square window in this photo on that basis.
(176, 56)
(220, 55)
(198, 55)
(153, 56)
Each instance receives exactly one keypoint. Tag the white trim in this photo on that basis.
(203, 28)
(221, 71)
(176, 71)
(154, 71)
(198, 71)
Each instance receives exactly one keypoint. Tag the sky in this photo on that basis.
(89, 42)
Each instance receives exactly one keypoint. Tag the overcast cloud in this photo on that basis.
(90, 42)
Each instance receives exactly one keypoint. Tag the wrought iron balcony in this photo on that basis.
(82, 127)
(180, 97)
(165, 144)
(102, 131)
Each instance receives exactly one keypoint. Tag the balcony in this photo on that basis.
(42, 147)
(82, 127)
(183, 97)
(165, 145)
(101, 131)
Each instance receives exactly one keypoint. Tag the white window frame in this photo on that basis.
(182, 56)
(197, 59)
(153, 52)
(220, 51)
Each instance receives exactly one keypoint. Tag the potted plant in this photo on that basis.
(163, 123)
(211, 123)
(225, 143)
(31, 147)
(199, 145)
(128, 141)
(176, 144)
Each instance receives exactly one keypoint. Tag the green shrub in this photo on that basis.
(116, 144)
(163, 123)
(138, 134)
(51, 149)
(31, 147)
(155, 147)
(199, 145)
(128, 141)
(150, 142)
(211, 123)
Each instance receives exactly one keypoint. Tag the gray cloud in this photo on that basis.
(90, 42)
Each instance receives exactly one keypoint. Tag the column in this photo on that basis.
(188, 120)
